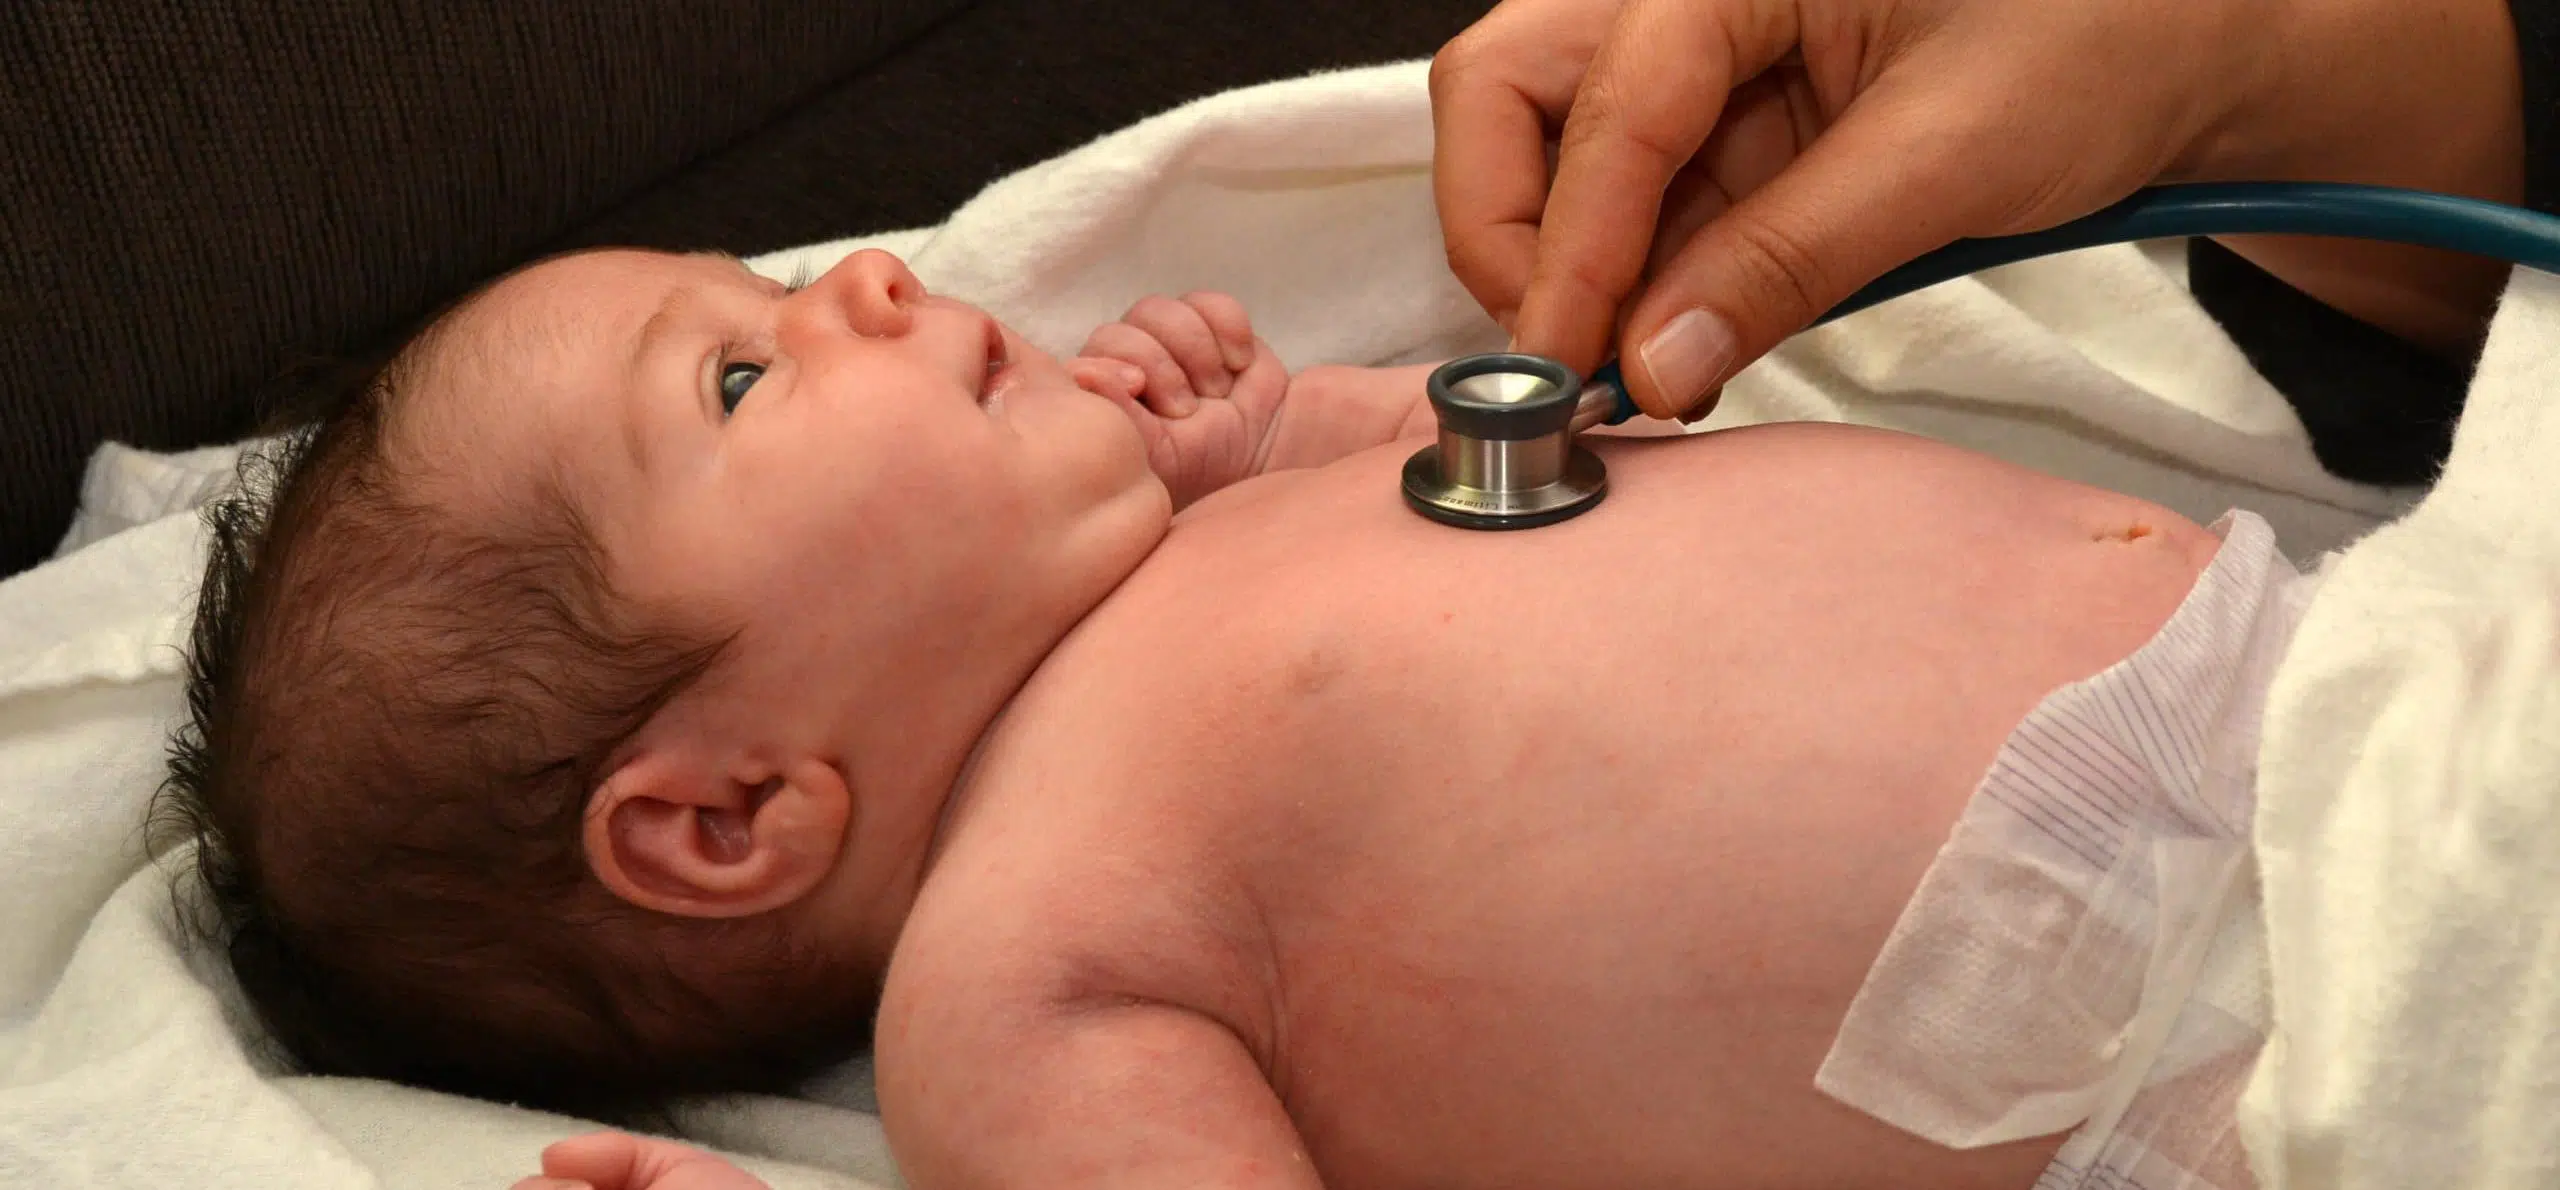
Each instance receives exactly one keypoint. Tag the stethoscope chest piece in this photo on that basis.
(1506, 458)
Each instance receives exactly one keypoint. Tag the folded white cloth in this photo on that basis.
(1311, 201)
(2409, 819)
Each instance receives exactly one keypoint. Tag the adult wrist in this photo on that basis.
(2426, 94)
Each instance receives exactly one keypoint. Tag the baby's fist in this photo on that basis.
(1201, 388)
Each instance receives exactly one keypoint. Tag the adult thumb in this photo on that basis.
(1874, 191)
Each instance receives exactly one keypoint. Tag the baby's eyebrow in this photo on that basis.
(727, 256)
(801, 274)
(675, 296)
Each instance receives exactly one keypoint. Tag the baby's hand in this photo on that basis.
(620, 1161)
(1202, 389)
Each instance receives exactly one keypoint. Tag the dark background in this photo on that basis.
(213, 211)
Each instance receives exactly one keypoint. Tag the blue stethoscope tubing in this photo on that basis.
(2416, 217)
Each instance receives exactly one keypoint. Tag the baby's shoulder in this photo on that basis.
(1070, 871)
(1126, 779)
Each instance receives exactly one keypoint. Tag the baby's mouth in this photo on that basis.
(999, 369)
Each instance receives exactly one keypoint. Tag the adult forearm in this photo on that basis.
(2448, 115)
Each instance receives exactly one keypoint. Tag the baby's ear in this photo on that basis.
(696, 842)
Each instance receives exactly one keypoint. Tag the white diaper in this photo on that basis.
(2086, 952)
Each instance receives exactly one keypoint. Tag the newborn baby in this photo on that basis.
(661, 668)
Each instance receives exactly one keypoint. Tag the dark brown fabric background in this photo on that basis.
(198, 198)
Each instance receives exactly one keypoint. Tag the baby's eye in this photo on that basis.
(735, 380)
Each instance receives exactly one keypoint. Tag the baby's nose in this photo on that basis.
(871, 291)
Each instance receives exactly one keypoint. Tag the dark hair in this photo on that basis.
(395, 722)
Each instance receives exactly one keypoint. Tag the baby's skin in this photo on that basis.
(1332, 846)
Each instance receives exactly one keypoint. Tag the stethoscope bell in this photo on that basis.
(1506, 458)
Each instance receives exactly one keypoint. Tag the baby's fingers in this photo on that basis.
(1226, 319)
(1119, 380)
(608, 1160)
(1168, 390)
(619, 1161)
(1184, 330)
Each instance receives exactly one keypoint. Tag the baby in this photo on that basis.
(663, 668)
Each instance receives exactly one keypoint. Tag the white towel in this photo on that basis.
(1311, 201)
(2409, 821)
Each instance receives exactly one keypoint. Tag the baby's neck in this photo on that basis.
(955, 800)
(957, 796)
(1203, 516)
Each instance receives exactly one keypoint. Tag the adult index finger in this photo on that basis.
(1653, 95)
(1497, 92)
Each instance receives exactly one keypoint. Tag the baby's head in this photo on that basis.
(573, 715)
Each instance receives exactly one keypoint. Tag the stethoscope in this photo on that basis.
(1508, 457)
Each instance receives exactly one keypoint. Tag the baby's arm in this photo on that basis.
(988, 1096)
(1114, 1095)
(1026, 1039)
(1335, 412)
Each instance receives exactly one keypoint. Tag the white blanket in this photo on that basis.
(1310, 200)
(2409, 821)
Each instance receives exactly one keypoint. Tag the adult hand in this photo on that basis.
(1726, 170)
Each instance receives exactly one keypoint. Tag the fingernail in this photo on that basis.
(1133, 376)
(1687, 357)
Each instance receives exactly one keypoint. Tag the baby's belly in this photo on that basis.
(1633, 800)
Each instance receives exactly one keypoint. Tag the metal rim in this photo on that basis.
(1584, 485)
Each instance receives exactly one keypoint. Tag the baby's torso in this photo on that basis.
(1554, 857)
